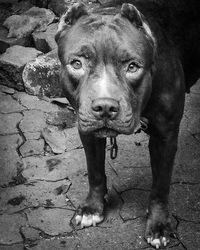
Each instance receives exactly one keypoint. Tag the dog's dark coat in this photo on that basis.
(121, 63)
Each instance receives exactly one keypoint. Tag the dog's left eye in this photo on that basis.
(76, 64)
(132, 67)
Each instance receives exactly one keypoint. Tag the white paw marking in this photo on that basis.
(157, 243)
(88, 220)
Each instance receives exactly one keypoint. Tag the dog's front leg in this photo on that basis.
(91, 211)
(162, 152)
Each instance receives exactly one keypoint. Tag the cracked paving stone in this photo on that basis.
(55, 138)
(41, 193)
(32, 135)
(192, 106)
(131, 168)
(32, 147)
(120, 236)
(189, 235)
(33, 102)
(13, 247)
(9, 158)
(127, 235)
(79, 188)
(62, 243)
(129, 177)
(182, 173)
(8, 124)
(129, 154)
(10, 228)
(194, 125)
(61, 140)
(30, 234)
(72, 139)
(52, 221)
(54, 168)
(9, 105)
(188, 151)
(189, 196)
(33, 121)
(135, 204)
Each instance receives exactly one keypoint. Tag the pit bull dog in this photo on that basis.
(122, 62)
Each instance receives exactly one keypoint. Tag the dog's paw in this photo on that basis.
(158, 233)
(157, 243)
(87, 220)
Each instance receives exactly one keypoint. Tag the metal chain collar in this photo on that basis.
(113, 140)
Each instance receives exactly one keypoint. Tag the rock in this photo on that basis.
(9, 1)
(21, 6)
(59, 7)
(51, 221)
(61, 119)
(9, 105)
(32, 135)
(33, 121)
(61, 140)
(40, 193)
(41, 76)
(72, 139)
(40, 3)
(189, 234)
(7, 90)
(33, 102)
(10, 228)
(6, 42)
(44, 41)
(55, 138)
(54, 168)
(60, 243)
(19, 246)
(12, 63)
(33, 19)
(8, 124)
(10, 162)
(32, 147)
(135, 204)
(6, 10)
(30, 234)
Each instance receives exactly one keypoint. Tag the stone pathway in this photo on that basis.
(41, 185)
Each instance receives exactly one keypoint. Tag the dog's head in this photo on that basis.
(107, 58)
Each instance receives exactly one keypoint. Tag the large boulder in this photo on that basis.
(6, 42)
(59, 7)
(41, 76)
(12, 63)
(34, 19)
(45, 41)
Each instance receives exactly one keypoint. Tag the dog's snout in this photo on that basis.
(105, 108)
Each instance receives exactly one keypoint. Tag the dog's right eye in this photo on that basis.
(76, 64)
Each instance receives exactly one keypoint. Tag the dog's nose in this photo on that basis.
(105, 108)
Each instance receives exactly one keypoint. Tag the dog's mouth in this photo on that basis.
(105, 132)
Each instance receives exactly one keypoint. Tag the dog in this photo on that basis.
(121, 62)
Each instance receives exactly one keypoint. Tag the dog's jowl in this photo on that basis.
(121, 62)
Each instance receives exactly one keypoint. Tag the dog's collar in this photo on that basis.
(113, 140)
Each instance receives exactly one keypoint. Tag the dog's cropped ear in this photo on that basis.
(132, 14)
(70, 17)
